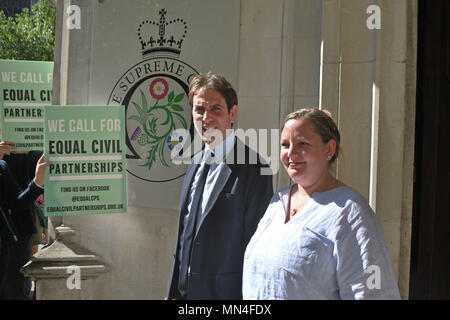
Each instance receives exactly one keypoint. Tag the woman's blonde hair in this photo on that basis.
(324, 125)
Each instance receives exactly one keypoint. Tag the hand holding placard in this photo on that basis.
(6, 147)
(40, 169)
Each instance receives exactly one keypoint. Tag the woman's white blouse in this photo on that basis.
(332, 249)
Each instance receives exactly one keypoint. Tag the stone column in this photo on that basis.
(64, 270)
(368, 84)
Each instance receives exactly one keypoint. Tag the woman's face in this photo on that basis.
(303, 153)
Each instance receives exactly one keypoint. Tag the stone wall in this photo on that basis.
(292, 54)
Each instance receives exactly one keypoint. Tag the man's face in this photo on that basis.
(211, 116)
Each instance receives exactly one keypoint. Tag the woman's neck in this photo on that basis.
(327, 183)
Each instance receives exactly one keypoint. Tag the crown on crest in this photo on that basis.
(164, 37)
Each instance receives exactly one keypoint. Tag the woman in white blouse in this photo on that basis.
(318, 239)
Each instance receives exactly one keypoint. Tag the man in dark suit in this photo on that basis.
(223, 197)
(12, 201)
(22, 166)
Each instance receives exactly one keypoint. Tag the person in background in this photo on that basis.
(22, 169)
(221, 202)
(319, 239)
(41, 236)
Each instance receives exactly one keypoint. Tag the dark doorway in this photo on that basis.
(430, 250)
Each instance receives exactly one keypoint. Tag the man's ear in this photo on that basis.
(233, 113)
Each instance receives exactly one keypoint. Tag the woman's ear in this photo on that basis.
(330, 148)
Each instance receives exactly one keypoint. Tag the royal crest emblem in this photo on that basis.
(155, 95)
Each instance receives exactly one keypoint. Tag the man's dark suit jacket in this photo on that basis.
(12, 197)
(23, 167)
(237, 203)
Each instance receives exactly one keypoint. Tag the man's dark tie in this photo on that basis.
(188, 234)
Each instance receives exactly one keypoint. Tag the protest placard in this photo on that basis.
(86, 145)
(25, 88)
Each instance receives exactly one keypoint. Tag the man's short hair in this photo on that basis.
(215, 82)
